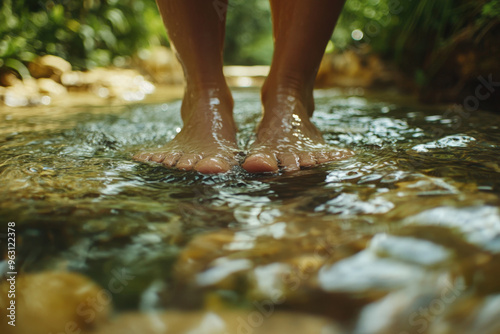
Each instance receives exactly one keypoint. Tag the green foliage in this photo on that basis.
(417, 35)
(491, 9)
(87, 33)
(248, 33)
(376, 19)
(400, 30)
(92, 33)
(433, 28)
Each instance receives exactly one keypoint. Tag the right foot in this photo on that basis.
(286, 137)
(207, 141)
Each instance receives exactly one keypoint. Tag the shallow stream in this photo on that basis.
(404, 237)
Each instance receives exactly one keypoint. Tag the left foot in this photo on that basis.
(207, 141)
(287, 138)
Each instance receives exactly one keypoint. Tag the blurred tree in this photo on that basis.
(248, 33)
(419, 36)
(93, 33)
(87, 33)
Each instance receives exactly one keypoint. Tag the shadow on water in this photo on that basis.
(368, 241)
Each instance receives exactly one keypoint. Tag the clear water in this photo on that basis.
(412, 219)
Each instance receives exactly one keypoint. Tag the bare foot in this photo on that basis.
(286, 137)
(207, 141)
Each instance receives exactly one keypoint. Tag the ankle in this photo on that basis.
(287, 91)
(284, 101)
(207, 91)
(207, 99)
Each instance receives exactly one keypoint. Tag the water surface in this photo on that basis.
(402, 237)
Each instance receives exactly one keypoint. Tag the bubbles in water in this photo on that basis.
(448, 141)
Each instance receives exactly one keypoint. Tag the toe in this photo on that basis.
(307, 159)
(158, 157)
(187, 161)
(260, 163)
(171, 159)
(289, 161)
(212, 165)
(142, 156)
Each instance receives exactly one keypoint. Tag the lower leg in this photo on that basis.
(286, 137)
(302, 30)
(207, 140)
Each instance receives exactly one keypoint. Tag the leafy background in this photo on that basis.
(92, 33)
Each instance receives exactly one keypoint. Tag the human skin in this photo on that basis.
(285, 137)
